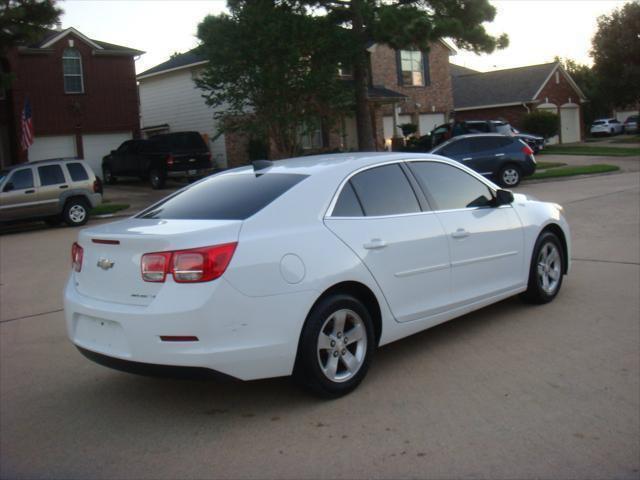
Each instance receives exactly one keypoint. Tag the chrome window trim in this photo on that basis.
(329, 213)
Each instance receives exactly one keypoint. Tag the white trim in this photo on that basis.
(495, 105)
(162, 72)
(569, 105)
(567, 77)
(66, 32)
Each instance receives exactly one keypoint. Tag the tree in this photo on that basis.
(543, 123)
(404, 24)
(272, 71)
(616, 54)
(589, 82)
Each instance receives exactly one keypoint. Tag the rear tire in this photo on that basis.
(76, 212)
(109, 178)
(509, 176)
(546, 270)
(336, 346)
(156, 179)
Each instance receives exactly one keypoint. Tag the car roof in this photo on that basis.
(40, 162)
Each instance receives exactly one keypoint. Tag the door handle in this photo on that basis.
(29, 191)
(460, 233)
(465, 159)
(499, 154)
(375, 244)
(63, 186)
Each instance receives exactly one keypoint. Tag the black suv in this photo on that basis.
(505, 158)
(169, 155)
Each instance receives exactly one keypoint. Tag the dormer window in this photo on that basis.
(411, 68)
(72, 70)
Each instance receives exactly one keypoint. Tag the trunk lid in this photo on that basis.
(111, 268)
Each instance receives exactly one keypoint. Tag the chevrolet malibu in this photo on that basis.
(303, 267)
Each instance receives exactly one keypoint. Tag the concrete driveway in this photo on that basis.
(511, 391)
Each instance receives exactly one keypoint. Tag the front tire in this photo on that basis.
(76, 212)
(336, 346)
(546, 270)
(509, 176)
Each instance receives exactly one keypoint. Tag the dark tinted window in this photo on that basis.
(124, 148)
(483, 144)
(77, 172)
(481, 127)
(348, 204)
(51, 175)
(228, 196)
(450, 187)
(180, 142)
(455, 148)
(385, 191)
(22, 179)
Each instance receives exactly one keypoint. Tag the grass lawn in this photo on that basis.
(545, 165)
(107, 208)
(576, 170)
(634, 139)
(603, 151)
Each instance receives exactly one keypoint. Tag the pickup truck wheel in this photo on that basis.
(109, 178)
(156, 178)
(76, 212)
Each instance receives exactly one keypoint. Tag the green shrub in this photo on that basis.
(408, 129)
(541, 122)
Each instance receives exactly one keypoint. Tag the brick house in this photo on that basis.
(83, 97)
(512, 93)
(406, 87)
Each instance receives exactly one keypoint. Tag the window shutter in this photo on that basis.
(399, 68)
(425, 66)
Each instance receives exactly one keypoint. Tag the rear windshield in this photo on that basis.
(227, 196)
(180, 142)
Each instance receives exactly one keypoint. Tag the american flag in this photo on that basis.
(27, 126)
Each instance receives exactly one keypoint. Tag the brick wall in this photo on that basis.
(561, 93)
(514, 114)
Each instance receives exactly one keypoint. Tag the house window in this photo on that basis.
(310, 135)
(72, 70)
(412, 68)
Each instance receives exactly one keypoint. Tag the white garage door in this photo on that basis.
(569, 124)
(98, 145)
(387, 125)
(60, 146)
(429, 121)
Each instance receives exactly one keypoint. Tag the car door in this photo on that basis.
(18, 198)
(486, 242)
(488, 153)
(458, 149)
(385, 220)
(51, 186)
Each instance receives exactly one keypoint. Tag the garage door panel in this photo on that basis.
(428, 121)
(57, 146)
(569, 125)
(98, 145)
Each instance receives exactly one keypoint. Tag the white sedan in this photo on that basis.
(303, 267)
(606, 126)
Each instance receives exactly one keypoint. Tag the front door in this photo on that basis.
(486, 242)
(378, 215)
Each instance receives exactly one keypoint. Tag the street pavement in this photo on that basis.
(511, 391)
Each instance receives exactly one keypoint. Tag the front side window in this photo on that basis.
(412, 68)
(450, 187)
(72, 70)
(385, 191)
(21, 179)
(51, 175)
(487, 144)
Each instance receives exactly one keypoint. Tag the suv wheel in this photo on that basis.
(336, 346)
(109, 178)
(76, 212)
(509, 176)
(156, 178)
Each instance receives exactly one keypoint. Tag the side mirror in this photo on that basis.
(8, 187)
(503, 197)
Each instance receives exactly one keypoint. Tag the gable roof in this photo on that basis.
(500, 87)
(49, 37)
(182, 60)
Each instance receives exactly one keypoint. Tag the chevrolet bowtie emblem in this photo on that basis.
(105, 263)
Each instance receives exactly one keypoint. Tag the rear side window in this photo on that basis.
(77, 172)
(450, 187)
(456, 147)
(385, 191)
(348, 204)
(229, 196)
(51, 175)
(22, 179)
(483, 144)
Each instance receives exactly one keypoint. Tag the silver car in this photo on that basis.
(50, 190)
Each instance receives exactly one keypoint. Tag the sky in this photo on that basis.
(538, 29)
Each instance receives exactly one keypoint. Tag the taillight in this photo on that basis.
(97, 185)
(188, 266)
(76, 257)
(527, 150)
(170, 160)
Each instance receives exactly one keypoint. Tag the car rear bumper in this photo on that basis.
(239, 336)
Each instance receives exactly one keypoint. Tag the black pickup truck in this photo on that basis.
(169, 155)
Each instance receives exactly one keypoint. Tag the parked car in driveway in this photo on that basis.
(507, 159)
(169, 155)
(631, 124)
(54, 190)
(536, 142)
(606, 126)
(303, 267)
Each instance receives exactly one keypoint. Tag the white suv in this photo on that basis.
(606, 126)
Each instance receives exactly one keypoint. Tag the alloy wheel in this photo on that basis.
(510, 176)
(549, 268)
(342, 345)
(77, 213)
